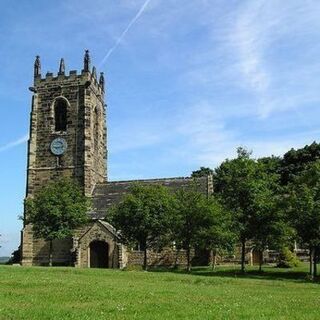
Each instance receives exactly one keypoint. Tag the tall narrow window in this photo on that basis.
(60, 115)
(96, 128)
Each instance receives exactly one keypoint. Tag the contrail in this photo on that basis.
(132, 22)
(15, 143)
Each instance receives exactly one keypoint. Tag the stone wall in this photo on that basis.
(27, 246)
(167, 257)
(85, 157)
(96, 231)
(84, 160)
(36, 251)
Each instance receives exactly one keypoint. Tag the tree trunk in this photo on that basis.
(213, 258)
(243, 255)
(188, 259)
(310, 262)
(145, 259)
(312, 254)
(315, 256)
(260, 260)
(50, 252)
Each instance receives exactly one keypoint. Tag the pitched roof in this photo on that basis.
(109, 193)
(106, 225)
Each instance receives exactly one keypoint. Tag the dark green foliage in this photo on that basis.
(296, 161)
(287, 259)
(57, 210)
(248, 188)
(144, 216)
(270, 227)
(240, 188)
(271, 165)
(15, 256)
(217, 235)
(153, 217)
(303, 207)
(200, 222)
(202, 172)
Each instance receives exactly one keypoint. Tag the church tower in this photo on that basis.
(67, 128)
(67, 135)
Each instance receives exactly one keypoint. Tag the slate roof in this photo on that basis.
(108, 193)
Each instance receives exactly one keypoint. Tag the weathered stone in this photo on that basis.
(85, 161)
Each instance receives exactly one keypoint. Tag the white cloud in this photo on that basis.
(209, 138)
(265, 38)
(123, 34)
(250, 68)
(14, 143)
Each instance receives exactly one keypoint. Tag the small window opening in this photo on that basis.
(60, 115)
(96, 127)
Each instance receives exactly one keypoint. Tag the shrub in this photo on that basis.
(287, 259)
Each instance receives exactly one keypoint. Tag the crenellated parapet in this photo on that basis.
(85, 77)
(68, 105)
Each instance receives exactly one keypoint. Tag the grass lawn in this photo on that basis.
(68, 293)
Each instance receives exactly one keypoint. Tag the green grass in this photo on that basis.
(68, 293)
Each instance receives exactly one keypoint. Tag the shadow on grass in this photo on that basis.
(268, 273)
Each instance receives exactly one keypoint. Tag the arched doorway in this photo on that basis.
(99, 254)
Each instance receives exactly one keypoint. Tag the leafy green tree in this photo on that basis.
(296, 161)
(271, 165)
(202, 172)
(245, 188)
(56, 210)
(303, 207)
(216, 234)
(270, 228)
(144, 216)
(196, 220)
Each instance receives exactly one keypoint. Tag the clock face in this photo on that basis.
(58, 146)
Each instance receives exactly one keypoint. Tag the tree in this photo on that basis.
(217, 233)
(246, 190)
(56, 210)
(202, 172)
(303, 207)
(271, 165)
(195, 220)
(144, 216)
(270, 228)
(296, 161)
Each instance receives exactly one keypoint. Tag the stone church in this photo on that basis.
(68, 137)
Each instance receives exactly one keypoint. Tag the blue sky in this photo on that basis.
(187, 81)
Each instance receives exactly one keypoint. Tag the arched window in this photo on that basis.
(60, 115)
